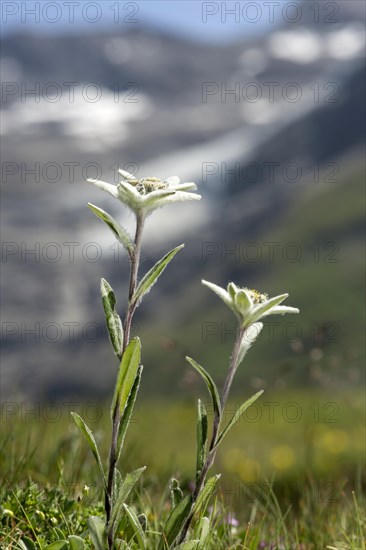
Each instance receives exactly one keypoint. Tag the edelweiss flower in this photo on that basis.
(250, 305)
(146, 194)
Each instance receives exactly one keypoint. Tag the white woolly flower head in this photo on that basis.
(145, 195)
(249, 305)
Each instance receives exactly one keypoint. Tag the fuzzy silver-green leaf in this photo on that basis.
(148, 281)
(113, 321)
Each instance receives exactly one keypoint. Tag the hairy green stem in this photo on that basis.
(215, 431)
(131, 307)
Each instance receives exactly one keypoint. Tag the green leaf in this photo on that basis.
(58, 545)
(76, 543)
(127, 413)
(202, 430)
(237, 416)
(176, 494)
(113, 321)
(175, 521)
(188, 545)
(59, 533)
(117, 484)
(125, 489)
(138, 531)
(121, 545)
(87, 433)
(119, 232)
(203, 530)
(243, 301)
(27, 544)
(205, 495)
(126, 376)
(232, 290)
(261, 309)
(152, 276)
(97, 532)
(143, 521)
(210, 385)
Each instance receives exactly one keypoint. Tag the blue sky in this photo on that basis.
(200, 20)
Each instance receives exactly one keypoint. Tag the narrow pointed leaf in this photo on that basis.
(125, 489)
(104, 186)
(266, 306)
(97, 532)
(113, 321)
(126, 175)
(209, 383)
(205, 495)
(126, 376)
(76, 543)
(281, 310)
(175, 521)
(152, 276)
(87, 433)
(127, 413)
(221, 292)
(170, 198)
(237, 416)
(119, 232)
(202, 430)
(138, 531)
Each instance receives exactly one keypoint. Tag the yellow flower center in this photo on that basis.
(148, 185)
(256, 296)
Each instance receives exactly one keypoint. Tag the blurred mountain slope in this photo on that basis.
(187, 121)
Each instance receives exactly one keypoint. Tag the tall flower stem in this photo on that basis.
(215, 431)
(130, 310)
(135, 263)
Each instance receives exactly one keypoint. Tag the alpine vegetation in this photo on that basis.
(186, 525)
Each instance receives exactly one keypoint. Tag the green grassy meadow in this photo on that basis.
(291, 469)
